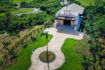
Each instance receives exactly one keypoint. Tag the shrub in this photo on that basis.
(23, 4)
(43, 8)
(103, 64)
(5, 44)
(33, 38)
(1, 61)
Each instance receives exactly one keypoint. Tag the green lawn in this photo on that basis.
(87, 2)
(19, 1)
(72, 61)
(19, 11)
(2, 14)
(24, 57)
(23, 11)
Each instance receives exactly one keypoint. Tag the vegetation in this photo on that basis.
(24, 56)
(5, 6)
(13, 24)
(46, 17)
(10, 53)
(94, 26)
(72, 61)
(88, 2)
(19, 1)
(81, 48)
(23, 11)
(47, 56)
(19, 11)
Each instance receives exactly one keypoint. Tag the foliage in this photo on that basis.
(1, 61)
(86, 62)
(11, 52)
(5, 6)
(24, 56)
(94, 24)
(16, 23)
(100, 25)
(103, 64)
(81, 48)
(13, 24)
(5, 44)
(24, 4)
(4, 2)
(47, 5)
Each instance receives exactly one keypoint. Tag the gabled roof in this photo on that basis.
(73, 9)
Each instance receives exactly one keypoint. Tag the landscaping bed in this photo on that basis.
(47, 56)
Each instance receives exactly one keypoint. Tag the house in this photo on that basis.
(69, 16)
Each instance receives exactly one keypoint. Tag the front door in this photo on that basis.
(67, 22)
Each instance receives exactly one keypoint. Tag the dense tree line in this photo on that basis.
(13, 24)
(5, 6)
(94, 25)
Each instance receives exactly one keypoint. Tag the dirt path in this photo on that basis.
(55, 46)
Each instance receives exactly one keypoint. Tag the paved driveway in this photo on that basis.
(54, 45)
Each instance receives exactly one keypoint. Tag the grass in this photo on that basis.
(20, 11)
(2, 14)
(72, 61)
(19, 1)
(23, 11)
(24, 56)
(87, 2)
